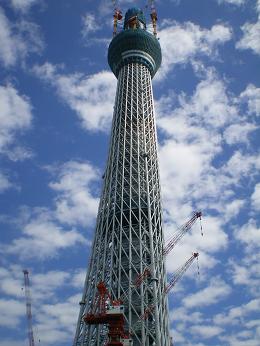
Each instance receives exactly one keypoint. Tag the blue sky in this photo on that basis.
(56, 102)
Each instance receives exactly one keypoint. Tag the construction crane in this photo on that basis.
(117, 17)
(181, 232)
(170, 245)
(110, 312)
(28, 307)
(174, 279)
(179, 272)
(154, 17)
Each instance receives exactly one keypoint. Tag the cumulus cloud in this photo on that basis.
(251, 33)
(234, 314)
(15, 117)
(11, 312)
(18, 40)
(245, 271)
(91, 97)
(5, 183)
(192, 126)
(76, 203)
(89, 23)
(238, 133)
(181, 43)
(54, 315)
(42, 238)
(232, 2)
(250, 39)
(23, 5)
(216, 291)
(46, 231)
(206, 331)
(249, 234)
(251, 95)
(255, 198)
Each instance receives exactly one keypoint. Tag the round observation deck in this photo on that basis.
(134, 44)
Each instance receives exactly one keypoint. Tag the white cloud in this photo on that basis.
(232, 2)
(216, 291)
(18, 40)
(11, 312)
(10, 342)
(15, 117)
(205, 331)
(54, 314)
(241, 165)
(42, 238)
(246, 271)
(249, 234)
(78, 278)
(57, 322)
(89, 22)
(193, 132)
(250, 39)
(238, 133)
(182, 42)
(91, 97)
(235, 314)
(255, 198)
(45, 231)
(76, 203)
(5, 183)
(252, 96)
(23, 5)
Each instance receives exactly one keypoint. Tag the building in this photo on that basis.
(127, 253)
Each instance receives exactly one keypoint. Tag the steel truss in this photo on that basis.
(129, 234)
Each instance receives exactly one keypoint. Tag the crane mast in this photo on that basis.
(28, 307)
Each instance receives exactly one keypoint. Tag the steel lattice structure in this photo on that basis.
(28, 307)
(129, 235)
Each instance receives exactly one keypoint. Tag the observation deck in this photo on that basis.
(134, 44)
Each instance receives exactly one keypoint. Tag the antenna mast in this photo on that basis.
(117, 16)
(153, 17)
(28, 307)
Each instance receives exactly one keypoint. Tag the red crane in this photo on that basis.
(113, 314)
(117, 17)
(28, 307)
(170, 245)
(110, 312)
(153, 17)
(174, 279)
(179, 272)
(181, 232)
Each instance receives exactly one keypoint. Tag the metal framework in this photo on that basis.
(128, 235)
(28, 307)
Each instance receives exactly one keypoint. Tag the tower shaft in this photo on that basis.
(129, 227)
(129, 235)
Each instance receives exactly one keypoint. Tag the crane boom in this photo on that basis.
(167, 249)
(28, 307)
(175, 278)
(181, 232)
(179, 272)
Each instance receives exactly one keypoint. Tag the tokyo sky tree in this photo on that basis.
(129, 237)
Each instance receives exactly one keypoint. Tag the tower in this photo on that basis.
(129, 237)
